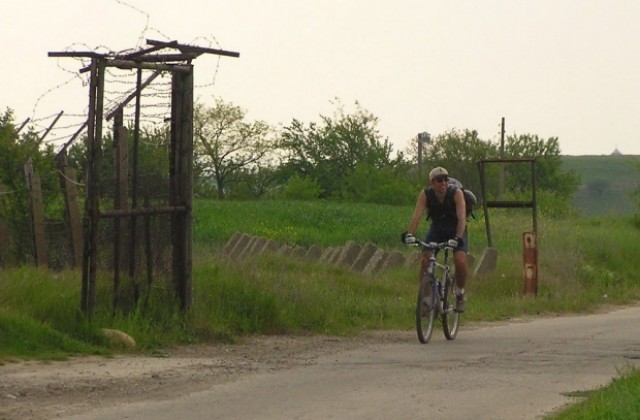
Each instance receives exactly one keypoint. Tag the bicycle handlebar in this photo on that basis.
(432, 245)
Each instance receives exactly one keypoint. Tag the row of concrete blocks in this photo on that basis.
(365, 259)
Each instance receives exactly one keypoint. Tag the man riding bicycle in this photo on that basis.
(447, 211)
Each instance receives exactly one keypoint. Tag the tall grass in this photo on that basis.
(583, 263)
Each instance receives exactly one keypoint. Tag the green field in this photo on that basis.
(607, 182)
(584, 263)
(275, 294)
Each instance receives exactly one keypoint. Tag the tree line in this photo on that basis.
(339, 157)
(345, 157)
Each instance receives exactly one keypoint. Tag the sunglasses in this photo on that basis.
(441, 179)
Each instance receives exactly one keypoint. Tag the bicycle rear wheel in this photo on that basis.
(426, 309)
(450, 318)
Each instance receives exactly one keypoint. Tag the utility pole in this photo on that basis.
(501, 177)
(423, 137)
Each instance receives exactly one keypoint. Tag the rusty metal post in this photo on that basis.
(530, 255)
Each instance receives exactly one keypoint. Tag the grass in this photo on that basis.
(272, 294)
(583, 264)
(28, 338)
(617, 401)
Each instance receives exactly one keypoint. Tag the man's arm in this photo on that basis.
(421, 205)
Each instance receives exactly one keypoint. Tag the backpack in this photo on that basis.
(470, 199)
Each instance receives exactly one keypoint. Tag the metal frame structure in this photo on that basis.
(532, 204)
(529, 239)
(180, 161)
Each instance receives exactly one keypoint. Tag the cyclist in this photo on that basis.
(447, 210)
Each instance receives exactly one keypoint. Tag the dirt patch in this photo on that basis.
(39, 390)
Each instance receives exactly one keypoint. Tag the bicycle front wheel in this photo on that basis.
(450, 318)
(426, 309)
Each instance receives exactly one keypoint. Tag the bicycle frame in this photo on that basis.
(439, 272)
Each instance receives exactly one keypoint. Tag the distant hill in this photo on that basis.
(607, 182)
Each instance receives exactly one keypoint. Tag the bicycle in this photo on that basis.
(436, 297)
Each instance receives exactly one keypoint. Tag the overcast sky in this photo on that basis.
(556, 68)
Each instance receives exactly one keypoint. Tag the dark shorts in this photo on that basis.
(444, 233)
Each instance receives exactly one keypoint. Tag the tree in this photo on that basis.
(459, 152)
(225, 144)
(330, 151)
(15, 151)
(550, 175)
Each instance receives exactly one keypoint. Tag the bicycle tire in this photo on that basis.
(425, 317)
(450, 318)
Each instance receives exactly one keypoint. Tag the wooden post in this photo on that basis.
(5, 238)
(181, 172)
(72, 210)
(37, 214)
(121, 165)
(92, 201)
(134, 189)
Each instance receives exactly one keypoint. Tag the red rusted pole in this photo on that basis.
(530, 254)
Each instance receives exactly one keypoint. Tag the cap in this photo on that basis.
(438, 171)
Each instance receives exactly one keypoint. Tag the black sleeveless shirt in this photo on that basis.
(442, 213)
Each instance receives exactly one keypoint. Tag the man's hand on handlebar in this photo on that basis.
(455, 242)
(408, 239)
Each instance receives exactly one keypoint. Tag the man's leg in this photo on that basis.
(460, 263)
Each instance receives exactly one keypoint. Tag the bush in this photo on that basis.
(298, 188)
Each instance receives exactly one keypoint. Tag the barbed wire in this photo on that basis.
(119, 85)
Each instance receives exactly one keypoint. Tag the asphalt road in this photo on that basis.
(516, 370)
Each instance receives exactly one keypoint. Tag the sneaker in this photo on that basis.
(460, 303)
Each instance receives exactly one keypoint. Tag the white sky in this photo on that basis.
(556, 68)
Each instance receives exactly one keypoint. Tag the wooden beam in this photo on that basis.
(191, 48)
(130, 65)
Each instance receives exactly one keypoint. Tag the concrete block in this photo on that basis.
(327, 254)
(314, 253)
(375, 262)
(363, 257)
(244, 252)
(269, 246)
(228, 247)
(241, 243)
(335, 255)
(488, 262)
(285, 250)
(298, 252)
(348, 254)
(394, 259)
(256, 246)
